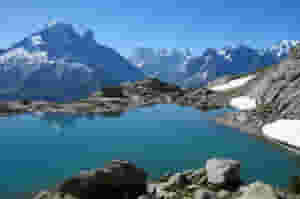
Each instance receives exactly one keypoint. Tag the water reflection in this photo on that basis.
(61, 121)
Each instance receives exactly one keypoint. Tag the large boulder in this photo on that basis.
(259, 190)
(223, 172)
(119, 179)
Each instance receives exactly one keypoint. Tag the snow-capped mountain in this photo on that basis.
(61, 60)
(167, 64)
(185, 69)
(282, 48)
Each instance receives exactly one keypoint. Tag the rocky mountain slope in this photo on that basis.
(271, 101)
(278, 89)
(61, 60)
(183, 68)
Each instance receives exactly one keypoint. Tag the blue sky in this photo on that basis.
(124, 25)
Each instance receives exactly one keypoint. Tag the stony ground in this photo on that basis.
(219, 179)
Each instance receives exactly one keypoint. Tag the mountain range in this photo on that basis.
(61, 61)
(64, 61)
(181, 67)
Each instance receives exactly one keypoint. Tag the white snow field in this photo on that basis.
(243, 103)
(236, 83)
(285, 131)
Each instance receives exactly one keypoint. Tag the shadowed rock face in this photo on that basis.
(119, 179)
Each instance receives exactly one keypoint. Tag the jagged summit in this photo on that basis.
(173, 65)
(63, 57)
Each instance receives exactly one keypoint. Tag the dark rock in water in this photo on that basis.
(223, 172)
(119, 179)
(294, 184)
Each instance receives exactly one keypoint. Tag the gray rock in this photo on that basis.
(42, 195)
(223, 172)
(204, 194)
(177, 180)
(223, 194)
(259, 190)
(241, 117)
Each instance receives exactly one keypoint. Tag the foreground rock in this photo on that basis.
(123, 180)
(119, 179)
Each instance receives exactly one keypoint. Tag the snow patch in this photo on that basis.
(236, 83)
(37, 40)
(243, 103)
(286, 131)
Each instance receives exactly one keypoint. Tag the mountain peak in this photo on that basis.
(62, 27)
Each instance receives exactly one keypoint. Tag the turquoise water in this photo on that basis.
(38, 151)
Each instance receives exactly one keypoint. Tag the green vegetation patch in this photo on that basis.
(264, 108)
(98, 94)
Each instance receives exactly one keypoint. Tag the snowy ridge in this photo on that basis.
(236, 83)
(235, 59)
(289, 127)
(59, 58)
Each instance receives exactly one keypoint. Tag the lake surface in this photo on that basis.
(40, 150)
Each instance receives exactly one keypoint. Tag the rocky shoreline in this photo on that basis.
(277, 99)
(123, 98)
(128, 96)
(219, 179)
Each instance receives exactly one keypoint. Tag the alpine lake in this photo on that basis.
(40, 150)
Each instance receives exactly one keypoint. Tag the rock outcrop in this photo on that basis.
(123, 180)
(127, 96)
(259, 190)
